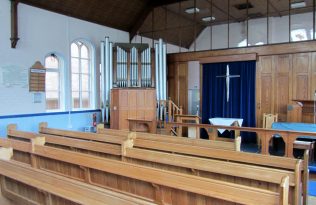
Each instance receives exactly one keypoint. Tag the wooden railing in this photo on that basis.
(167, 110)
(265, 135)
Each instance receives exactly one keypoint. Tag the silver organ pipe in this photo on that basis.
(157, 71)
(164, 75)
(111, 65)
(103, 97)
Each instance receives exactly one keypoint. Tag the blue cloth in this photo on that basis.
(294, 126)
(241, 94)
(302, 127)
(312, 188)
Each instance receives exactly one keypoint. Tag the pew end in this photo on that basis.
(6, 153)
(42, 125)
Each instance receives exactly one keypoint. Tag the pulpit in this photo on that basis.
(308, 110)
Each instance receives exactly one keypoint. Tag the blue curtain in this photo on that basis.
(242, 95)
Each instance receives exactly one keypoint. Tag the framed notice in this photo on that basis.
(37, 78)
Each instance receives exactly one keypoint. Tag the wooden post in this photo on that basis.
(284, 191)
(169, 110)
(11, 127)
(237, 143)
(305, 177)
(14, 23)
(6, 153)
(42, 125)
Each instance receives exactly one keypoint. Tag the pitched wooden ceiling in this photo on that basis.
(167, 18)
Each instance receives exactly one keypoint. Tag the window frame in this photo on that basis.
(60, 71)
(91, 75)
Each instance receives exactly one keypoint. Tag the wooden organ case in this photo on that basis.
(131, 88)
(132, 103)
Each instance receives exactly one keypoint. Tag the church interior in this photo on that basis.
(173, 102)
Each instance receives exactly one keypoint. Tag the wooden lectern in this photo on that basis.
(294, 112)
(307, 110)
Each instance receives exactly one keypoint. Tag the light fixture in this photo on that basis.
(192, 10)
(208, 18)
(296, 5)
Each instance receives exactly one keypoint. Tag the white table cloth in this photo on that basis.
(225, 122)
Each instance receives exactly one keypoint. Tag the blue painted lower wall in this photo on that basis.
(76, 120)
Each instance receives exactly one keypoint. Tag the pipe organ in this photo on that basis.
(135, 65)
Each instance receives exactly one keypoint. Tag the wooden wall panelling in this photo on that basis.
(313, 83)
(141, 104)
(277, 49)
(265, 84)
(133, 103)
(283, 89)
(149, 104)
(301, 76)
(302, 80)
(171, 81)
(183, 86)
(284, 72)
(114, 110)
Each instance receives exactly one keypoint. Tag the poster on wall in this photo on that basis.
(13, 76)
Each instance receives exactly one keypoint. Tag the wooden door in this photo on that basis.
(264, 87)
(302, 76)
(283, 89)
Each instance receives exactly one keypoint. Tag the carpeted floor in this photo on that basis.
(312, 188)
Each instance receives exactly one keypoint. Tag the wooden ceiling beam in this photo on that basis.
(151, 4)
(14, 23)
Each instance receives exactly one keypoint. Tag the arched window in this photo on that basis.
(81, 75)
(53, 82)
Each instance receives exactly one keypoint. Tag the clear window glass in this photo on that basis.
(81, 75)
(52, 82)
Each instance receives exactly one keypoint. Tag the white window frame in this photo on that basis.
(60, 72)
(91, 62)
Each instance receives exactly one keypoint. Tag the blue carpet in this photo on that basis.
(312, 188)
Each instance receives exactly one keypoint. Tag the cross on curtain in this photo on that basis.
(242, 98)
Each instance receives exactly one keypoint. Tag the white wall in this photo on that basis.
(278, 32)
(40, 33)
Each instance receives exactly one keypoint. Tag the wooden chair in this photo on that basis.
(268, 120)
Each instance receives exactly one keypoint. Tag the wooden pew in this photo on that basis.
(204, 167)
(172, 139)
(192, 188)
(26, 185)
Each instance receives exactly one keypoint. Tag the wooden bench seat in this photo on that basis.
(26, 185)
(162, 180)
(202, 166)
(177, 140)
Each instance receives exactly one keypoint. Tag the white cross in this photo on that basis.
(227, 76)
